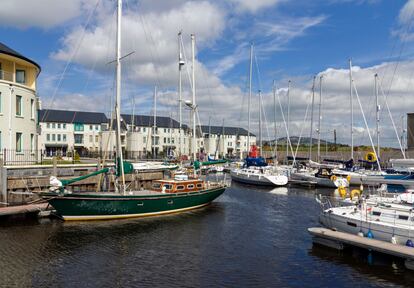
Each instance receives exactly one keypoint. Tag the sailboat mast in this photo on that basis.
(193, 92)
(352, 108)
(180, 96)
(311, 124)
(250, 97)
(274, 114)
(378, 115)
(287, 124)
(118, 97)
(154, 127)
(320, 118)
(260, 122)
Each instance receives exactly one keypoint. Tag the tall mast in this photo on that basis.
(154, 127)
(287, 124)
(260, 122)
(320, 118)
(118, 97)
(180, 97)
(351, 81)
(311, 124)
(193, 92)
(378, 115)
(250, 97)
(274, 114)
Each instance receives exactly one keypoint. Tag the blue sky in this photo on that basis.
(293, 40)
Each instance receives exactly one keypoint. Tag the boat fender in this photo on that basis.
(394, 240)
(333, 178)
(370, 235)
(360, 234)
(361, 187)
(163, 189)
(409, 243)
(355, 193)
(348, 178)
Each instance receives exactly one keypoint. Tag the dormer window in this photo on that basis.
(21, 76)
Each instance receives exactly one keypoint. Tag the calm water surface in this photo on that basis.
(249, 237)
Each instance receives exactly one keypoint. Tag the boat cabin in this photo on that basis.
(178, 186)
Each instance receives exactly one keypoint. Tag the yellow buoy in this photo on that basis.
(355, 193)
(342, 191)
(371, 157)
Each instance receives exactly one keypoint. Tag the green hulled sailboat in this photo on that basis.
(166, 196)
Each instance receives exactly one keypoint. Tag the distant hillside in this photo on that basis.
(303, 141)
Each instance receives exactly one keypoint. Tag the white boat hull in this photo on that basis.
(259, 179)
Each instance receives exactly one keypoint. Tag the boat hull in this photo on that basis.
(254, 179)
(103, 207)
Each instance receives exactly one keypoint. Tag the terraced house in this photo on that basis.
(18, 102)
(63, 131)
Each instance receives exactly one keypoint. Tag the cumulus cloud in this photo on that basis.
(41, 13)
(254, 6)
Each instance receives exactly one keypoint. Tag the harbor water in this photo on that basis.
(249, 237)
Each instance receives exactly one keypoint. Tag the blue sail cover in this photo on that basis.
(260, 162)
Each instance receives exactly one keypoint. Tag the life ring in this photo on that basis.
(355, 193)
(342, 192)
(333, 178)
(371, 157)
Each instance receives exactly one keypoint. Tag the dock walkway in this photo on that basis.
(336, 239)
(23, 209)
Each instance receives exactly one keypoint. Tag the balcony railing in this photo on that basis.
(7, 76)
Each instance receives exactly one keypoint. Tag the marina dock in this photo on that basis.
(338, 240)
(23, 209)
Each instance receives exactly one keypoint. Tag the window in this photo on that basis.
(58, 125)
(18, 105)
(78, 138)
(64, 137)
(165, 140)
(48, 125)
(190, 186)
(90, 127)
(180, 187)
(20, 76)
(165, 130)
(53, 137)
(90, 138)
(96, 138)
(47, 137)
(167, 186)
(64, 125)
(143, 129)
(168, 140)
(32, 109)
(32, 144)
(96, 127)
(78, 127)
(199, 185)
(156, 185)
(376, 213)
(53, 125)
(403, 217)
(351, 224)
(58, 137)
(18, 142)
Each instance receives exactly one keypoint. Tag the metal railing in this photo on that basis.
(7, 76)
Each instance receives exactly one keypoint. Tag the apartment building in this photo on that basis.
(63, 131)
(142, 138)
(18, 102)
(226, 141)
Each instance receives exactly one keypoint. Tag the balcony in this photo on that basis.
(6, 76)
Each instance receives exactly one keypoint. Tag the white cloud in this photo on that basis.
(406, 13)
(253, 6)
(40, 13)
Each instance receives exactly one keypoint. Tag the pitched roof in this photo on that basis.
(8, 51)
(64, 116)
(148, 121)
(227, 130)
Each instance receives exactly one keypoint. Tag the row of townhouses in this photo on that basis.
(25, 128)
(86, 132)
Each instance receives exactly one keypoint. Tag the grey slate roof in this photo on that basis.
(148, 121)
(64, 116)
(8, 51)
(227, 130)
